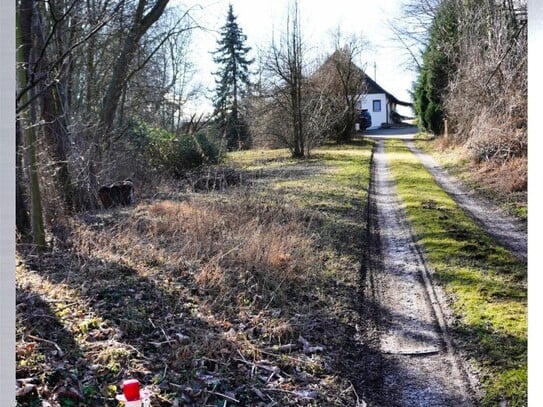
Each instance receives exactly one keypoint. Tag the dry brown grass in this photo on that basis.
(510, 176)
(234, 294)
(505, 175)
(237, 249)
(504, 181)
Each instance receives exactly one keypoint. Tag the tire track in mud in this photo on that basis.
(418, 363)
(506, 231)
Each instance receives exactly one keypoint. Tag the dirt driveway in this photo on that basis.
(507, 231)
(419, 364)
(406, 133)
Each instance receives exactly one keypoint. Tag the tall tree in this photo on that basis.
(49, 27)
(27, 55)
(295, 108)
(438, 69)
(232, 83)
(286, 63)
(487, 100)
(141, 22)
(410, 32)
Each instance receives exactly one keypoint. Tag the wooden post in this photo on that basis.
(446, 128)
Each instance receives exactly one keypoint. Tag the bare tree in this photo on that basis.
(63, 68)
(42, 85)
(342, 82)
(487, 99)
(159, 83)
(410, 31)
(26, 120)
(141, 22)
(287, 94)
(482, 85)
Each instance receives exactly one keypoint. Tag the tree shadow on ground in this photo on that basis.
(136, 327)
(149, 323)
(46, 353)
(130, 326)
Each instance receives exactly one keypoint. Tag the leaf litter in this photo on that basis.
(228, 297)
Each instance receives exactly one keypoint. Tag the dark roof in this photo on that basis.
(373, 87)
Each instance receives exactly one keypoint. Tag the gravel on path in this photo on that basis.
(420, 367)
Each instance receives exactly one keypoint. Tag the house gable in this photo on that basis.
(372, 97)
(374, 87)
(379, 103)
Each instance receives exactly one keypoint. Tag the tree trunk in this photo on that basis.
(22, 218)
(295, 64)
(57, 139)
(117, 82)
(37, 65)
(24, 42)
(38, 228)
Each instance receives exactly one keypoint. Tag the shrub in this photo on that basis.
(171, 153)
(497, 139)
(191, 151)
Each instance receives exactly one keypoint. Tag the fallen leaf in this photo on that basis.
(26, 389)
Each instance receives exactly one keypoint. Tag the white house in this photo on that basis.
(379, 103)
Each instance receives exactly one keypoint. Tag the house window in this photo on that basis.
(376, 105)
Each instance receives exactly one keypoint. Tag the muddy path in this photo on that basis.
(419, 364)
(508, 232)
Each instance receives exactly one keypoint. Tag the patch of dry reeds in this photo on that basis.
(239, 251)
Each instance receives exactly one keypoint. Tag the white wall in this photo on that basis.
(376, 117)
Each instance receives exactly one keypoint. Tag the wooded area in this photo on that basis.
(86, 70)
(473, 74)
(102, 87)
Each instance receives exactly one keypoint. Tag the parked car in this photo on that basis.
(364, 119)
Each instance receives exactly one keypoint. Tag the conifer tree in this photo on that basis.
(438, 68)
(232, 83)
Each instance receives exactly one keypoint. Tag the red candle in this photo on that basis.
(131, 390)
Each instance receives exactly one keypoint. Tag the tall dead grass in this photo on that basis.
(509, 177)
(239, 251)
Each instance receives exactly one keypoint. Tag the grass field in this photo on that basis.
(250, 293)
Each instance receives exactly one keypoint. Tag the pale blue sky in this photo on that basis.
(259, 19)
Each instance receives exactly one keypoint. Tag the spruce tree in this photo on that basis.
(232, 84)
(438, 68)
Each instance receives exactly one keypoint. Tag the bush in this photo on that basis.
(174, 154)
(192, 151)
(433, 117)
(496, 139)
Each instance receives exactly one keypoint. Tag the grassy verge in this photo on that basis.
(486, 284)
(240, 296)
(504, 184)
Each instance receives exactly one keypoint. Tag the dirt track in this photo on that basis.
(420, 367)
(507, 231)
